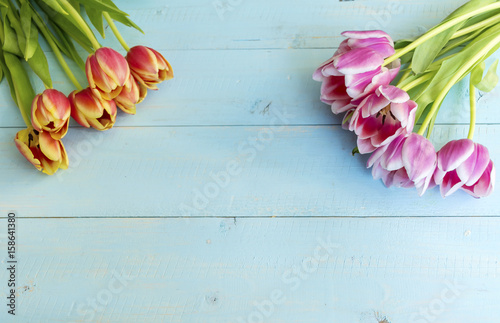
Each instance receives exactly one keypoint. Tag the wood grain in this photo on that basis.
(186, 171)
(226, 270)
(182, 213)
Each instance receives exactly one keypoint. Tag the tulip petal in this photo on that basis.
(49, 147)
(393, 94)
(454, 153)
(485, 185)
(450, 184)
(473, 168)
(365, 146)
(381, 45)
(367, 34)
(113, 64)
(359, 60)
(357, 83)
(419, 157)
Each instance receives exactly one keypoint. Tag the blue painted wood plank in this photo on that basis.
(217, 88)
(222, 171)
(240, 270)
(226, 24)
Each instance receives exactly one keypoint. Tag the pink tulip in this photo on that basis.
(381, 117)
(466, 165)
(50, 112)
(107, 71)
(356, 69)
(148, 66)
(408, 161)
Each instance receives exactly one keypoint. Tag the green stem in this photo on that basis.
(57, 52)
(405, 75)
(115, 31)
(422, 79)
(81, 23)
(436, 31)
(456, 78)
(483, 24)
(472, 96)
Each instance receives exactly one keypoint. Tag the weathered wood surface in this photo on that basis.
(149, 200)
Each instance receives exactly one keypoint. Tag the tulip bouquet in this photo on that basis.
(114, 81)
(386, 89)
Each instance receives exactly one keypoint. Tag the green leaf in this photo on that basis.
(30, 32)
(121, 18)
(23, 90)
(428, 51)
(490, 80)
(450, 67)
(8, 76)
(10, 44)
(102, 6)
(67, 24)
(4, 3)
(95, 17)
(39, 65)
(67, 47)
(54, 4)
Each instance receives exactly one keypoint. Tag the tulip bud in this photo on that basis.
(50, 112)
(107, 71)
(148, 66)
(40, 149)
(91, 111)
(129, 96)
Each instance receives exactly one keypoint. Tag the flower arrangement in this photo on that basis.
(115, 82)
(386, 89)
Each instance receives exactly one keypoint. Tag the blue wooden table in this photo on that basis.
(232, 195)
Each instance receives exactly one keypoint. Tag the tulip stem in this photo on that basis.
(84, 27)
(48, 36)
(480, 25)
(472, 96)
(115, 31)
(436, 31)
(422, 79)
(457, 77)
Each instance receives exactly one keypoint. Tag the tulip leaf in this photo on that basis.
(23, 90)
(95, 17)
(39, 65)
(489, 81)
(102, 6)
(450, 67)
(8, 76)
(67, 24)
(10, 43)
(4, 3)
(67, 47)
(426, 53)
(30, 32)
(54, 4)
(123, 19)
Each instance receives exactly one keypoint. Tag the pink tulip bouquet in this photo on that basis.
(115, 82)
(390, 94)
